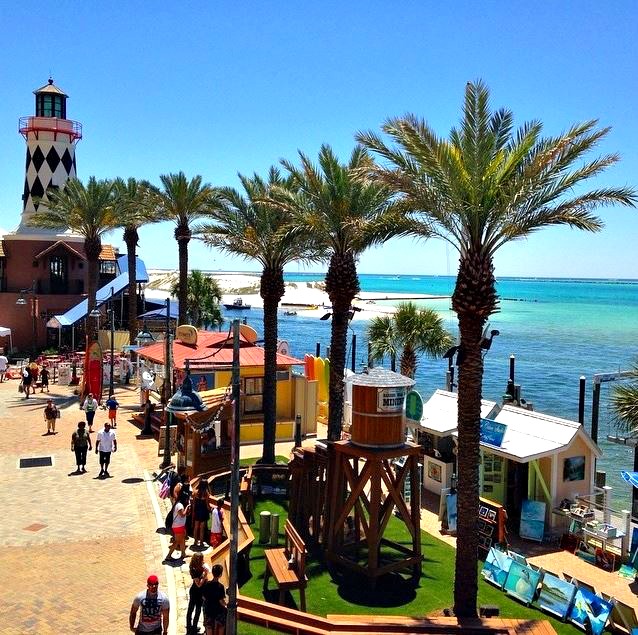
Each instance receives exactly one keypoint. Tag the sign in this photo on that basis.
(492, 432)
(413, 406)
(283, 347)
(186, 334)
(390, 399)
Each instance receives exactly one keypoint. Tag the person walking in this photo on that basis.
(90, 406)
(34, 370)
(112, 406)
(181, 509)
(4, 364)
(26, 381)
(80, 444)
(155, 611)
(200, 574)
(50, 415)
(215, 603)
(44, 379)
(105, 444)
(217, 524)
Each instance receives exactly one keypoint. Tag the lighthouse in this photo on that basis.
(51, 139)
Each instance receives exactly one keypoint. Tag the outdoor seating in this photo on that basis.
(288, 566)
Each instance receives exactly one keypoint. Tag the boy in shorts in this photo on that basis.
(112, 406)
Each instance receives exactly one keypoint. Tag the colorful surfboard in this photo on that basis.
(326, 374)
(93, 371)
(309, 366)
(319, 374)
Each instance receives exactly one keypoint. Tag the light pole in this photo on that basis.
(167, 388)
(112, 315)
(34, 314)
(231, 623)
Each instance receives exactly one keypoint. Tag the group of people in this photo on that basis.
(105, 445)
(199, 514)
(31, 374)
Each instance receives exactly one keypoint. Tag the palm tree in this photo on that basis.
(409, 332)
(251, 226)
(135, 209)
(202, 300)
(89, 211)
(624, 402)
(182, 201)
(345, 214)
(480, 189)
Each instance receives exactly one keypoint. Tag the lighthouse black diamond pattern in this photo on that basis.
(53, 159)
(67, 162)
(37, 191)
(38, 159)
(26, 167)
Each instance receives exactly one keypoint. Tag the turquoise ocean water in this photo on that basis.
(558, 329)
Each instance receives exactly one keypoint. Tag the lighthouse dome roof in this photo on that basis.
(49, 87)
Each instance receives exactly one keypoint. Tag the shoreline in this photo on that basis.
(307, 298)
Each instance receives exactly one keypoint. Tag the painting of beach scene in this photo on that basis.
(522, 582)
(590, 611)
(532, 524)
(556, 595)
(497, 564)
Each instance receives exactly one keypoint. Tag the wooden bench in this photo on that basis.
(288, 566)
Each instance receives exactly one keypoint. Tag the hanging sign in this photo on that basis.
(492, 432)
(390, 399)
(413, 406)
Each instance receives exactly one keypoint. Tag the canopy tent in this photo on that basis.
(630, 477)
(6, 332)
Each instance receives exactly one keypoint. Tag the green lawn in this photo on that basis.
(392, 597)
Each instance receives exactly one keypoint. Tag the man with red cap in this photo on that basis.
(155, 610)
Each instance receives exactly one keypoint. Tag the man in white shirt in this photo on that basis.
(4, 363)
(90, 406)
(106, 443)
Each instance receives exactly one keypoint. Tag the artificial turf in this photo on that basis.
(393, 595)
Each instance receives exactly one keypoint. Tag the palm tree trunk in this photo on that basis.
(182, 244)
(131, 240)
(408, 361)
(271, 291)
(342, 284)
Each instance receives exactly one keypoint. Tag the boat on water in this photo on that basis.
(237, 304)
(290, 312)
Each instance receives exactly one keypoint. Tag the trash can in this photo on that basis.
(264, 527)
(274, 530)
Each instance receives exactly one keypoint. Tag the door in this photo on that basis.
(58, 274)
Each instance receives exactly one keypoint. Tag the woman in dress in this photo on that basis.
(201, 513)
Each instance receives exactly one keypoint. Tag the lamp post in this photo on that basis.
(111, 313)
(167, 388)
(34, 314)
(231, 622)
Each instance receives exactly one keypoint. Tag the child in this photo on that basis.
(217, 524)
(112, 406)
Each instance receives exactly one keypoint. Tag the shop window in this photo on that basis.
(253, 395)
(107, 267)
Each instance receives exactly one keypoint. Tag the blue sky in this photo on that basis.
(216, 88)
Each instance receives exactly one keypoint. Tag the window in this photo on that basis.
(253, 394)
(107, 267)
(58, 274)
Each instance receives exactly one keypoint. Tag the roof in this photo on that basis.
(440, 413)
(140, 267)
(532, 435)
(381, 377)
(209, 342)
(49, 87)
(108, 253)
(59, 243)
(160, 312)
(103, 295)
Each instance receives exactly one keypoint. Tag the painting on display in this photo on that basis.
(434, 471)
(497, 564)
(532, 524)
(522, 582)
(451, 512)
(574, 469)
(590, 611)
(556, 595)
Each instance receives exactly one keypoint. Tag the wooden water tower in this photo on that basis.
(363, 487)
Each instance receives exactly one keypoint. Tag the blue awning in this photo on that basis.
(630, 477)
(103, 295)
(160, 312)
(140, 268)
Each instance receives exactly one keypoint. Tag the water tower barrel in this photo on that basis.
(378, 399)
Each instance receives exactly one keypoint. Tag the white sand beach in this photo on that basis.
(307, 297)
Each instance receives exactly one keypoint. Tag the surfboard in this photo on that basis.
(248, 332)
(309, 366)
(319, 374)
(93, 371)
(326, 372)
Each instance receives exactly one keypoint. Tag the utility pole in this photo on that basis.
(231, 621)
(167, 387)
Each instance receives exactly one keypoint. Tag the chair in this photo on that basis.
(622, 618)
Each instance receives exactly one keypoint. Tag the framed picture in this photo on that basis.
(522, 582)
(574, 469)
(497, 564)
(556, 595)
(484, 542)
(589, 611)
(485, 527)
(434, 471)
(483, 511)
(491, 515)
(532, 524)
